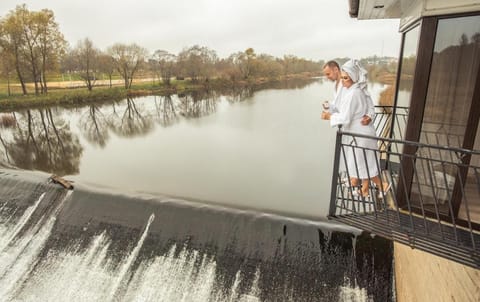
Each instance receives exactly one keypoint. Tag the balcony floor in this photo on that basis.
(444, 240)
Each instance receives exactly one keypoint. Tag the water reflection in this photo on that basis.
(42, 140)
(131, 119)
(166, 110)
(198, 103)
(95, 124)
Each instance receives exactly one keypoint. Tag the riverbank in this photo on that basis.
(59, 95)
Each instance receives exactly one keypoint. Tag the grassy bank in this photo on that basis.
(76, 96)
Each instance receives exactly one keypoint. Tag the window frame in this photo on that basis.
(428, 31)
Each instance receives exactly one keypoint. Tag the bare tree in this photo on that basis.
(68, 63)
(197, 62)
(164, 65)
(86, 58)
(127, 59)
(106, 65)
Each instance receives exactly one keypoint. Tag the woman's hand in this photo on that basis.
(325, 115)
(365, 120)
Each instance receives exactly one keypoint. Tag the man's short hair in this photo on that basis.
(332, 64)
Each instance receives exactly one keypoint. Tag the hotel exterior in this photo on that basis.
(429, 152)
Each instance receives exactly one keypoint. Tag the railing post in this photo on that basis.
(336, 164)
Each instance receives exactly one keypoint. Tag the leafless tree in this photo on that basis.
(106, 65)
(86, 60)
(164, 65)
(128, 59)
(197, 62)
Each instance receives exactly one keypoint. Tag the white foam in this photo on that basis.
(21, 223)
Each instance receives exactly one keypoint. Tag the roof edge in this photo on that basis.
(353, 11)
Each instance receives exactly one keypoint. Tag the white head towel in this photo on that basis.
(357, 73)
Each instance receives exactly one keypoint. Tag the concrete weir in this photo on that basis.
(92, 245)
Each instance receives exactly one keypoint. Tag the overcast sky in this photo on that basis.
(311, 29)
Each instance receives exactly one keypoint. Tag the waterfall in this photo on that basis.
(85, 245)
(126, 266)
(19, 255)
(21, 223)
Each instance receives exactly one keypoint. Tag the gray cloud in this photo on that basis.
(312, 29)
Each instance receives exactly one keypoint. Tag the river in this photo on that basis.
(218, 196)
(266, 150)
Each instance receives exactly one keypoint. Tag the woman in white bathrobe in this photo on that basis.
(354, 104)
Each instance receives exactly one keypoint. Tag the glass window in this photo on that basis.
(453, 74)
(405, 82)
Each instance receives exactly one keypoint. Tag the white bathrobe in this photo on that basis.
(337, 96)
(353, 105)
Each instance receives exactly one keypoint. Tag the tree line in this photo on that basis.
(32, 49)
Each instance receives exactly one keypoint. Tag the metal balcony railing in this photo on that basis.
(428, 196)
(383, 121)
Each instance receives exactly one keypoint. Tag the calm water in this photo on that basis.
(266, 150)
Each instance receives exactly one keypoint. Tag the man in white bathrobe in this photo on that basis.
(331, 70)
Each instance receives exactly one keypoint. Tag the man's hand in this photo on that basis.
(325, 115)
(366, 120)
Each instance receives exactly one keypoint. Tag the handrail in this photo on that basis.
(417, 144)
(420, 208)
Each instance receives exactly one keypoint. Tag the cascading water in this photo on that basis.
(88, 245)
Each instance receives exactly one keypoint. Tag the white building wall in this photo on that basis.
(423, 277)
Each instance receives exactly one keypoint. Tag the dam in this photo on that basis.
(91, 245)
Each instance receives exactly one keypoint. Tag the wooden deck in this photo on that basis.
(420, 277)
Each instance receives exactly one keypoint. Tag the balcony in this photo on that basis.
(431, 200)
